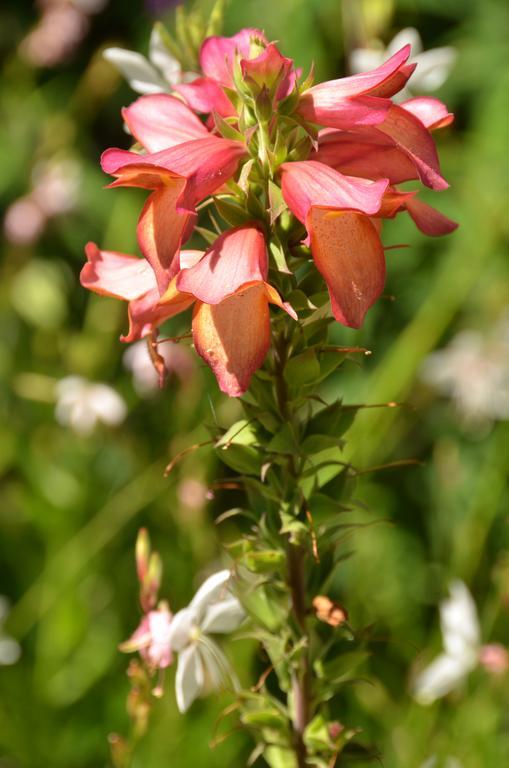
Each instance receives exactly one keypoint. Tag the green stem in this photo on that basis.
(296, 556)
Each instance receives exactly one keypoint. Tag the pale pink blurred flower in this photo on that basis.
(56, 185)
(494, 658)
(192, 493)
(177, 360)
(24, 221)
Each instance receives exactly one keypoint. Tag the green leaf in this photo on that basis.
(265, 718)
(276, 202)
(263, 610)
(215, 22)
(333, 420)
(278, 255)
(241, 458)
(230, 210)
(277, 757)
(341, 667)
(265, 561)
(243, 432)
(283, 442)
(316, 735)
(318, 443)
(302, 369)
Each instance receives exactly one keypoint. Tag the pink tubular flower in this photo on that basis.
(231, 322)
(180, 178)
(345, 244)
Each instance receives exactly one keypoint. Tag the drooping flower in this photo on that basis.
(432, 67)
(213, 610)
(463, 649)
(227, 285)
(81, 404)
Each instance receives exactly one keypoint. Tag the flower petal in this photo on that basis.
(326, 108)
(114, 274)
(189, 677)
(141, 75)
(430, 111)
(347, 251)
(237, 257)
(217, 53)
(309, 183)
(459, 622)
(442, 676)
(428, 219)
(213, 589)
(160, 232)
(366, 82)
(409, 134)
(181, 628)
(160, 121)
(233, 337)
(147, 313)
(205, 95)
(369, 155)
(206, 164)
(223, 617)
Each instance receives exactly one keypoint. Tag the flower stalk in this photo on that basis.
(301, 177)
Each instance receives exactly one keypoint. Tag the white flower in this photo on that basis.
(474, 371)
(82, 404)
(10, 650)
(462, 644)
(433, 66)
(157, 74)
(214, 609)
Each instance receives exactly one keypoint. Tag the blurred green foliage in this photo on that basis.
(70, 505)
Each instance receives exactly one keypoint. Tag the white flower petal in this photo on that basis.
(160, 56)
(460, 624)
(141, 75)
(211, 591)
(189, 677)
(181, 627)
(365, 59)
(223, 617)
(433, 68)
(107, 404)
(407, 36)
(442, 676)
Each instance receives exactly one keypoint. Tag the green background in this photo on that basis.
(70, 506)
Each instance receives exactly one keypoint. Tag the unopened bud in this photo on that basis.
(142, 553)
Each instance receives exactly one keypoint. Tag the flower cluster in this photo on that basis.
(302, 170)
(213, 610)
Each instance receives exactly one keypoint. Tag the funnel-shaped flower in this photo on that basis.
(345, 244)
(359, 99)
(181, 177)
(231, 320)
(213, 610)
(131, 279)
